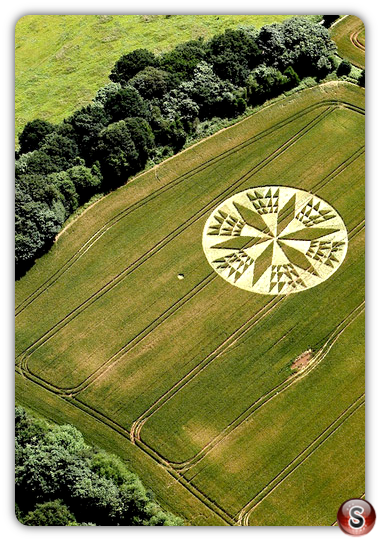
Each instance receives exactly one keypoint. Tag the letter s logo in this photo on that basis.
(356, 519)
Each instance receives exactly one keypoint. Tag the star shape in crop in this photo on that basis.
(294, 240)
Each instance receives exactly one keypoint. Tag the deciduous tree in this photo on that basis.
(129, 64)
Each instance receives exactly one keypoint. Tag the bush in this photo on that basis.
(39, 210)
(33, 134)
(361, 80)
(264, 82)
(329, 19)
(292, 76)
(105, 92)
(54, 513)
(344, 68)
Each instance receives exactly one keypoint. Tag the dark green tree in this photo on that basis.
(209, 92)
(183, 59)
(62, 150)
(86, 124)
(169, 130)
(67, 188)
(153, 82)
(271, 42)
(233, 54)
(142, 137)
(118, 156)
(344, 68)
(33, 134)
(297, 42)
(86, 181)
(125, 103)
(129, 64)
(36, 162)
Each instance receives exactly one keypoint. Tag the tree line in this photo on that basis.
(62, 481)
(151, 107)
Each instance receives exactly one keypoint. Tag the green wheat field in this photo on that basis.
(191, 381)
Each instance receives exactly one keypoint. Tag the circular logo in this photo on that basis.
(356, 517)
(275, 240)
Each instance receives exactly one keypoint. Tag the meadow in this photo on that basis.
(62, 60)
(190, 380)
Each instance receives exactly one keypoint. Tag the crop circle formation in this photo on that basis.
(275, 240)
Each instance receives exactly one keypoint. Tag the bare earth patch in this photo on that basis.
(302, 360)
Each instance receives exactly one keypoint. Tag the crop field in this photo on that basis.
(349, 35)
(178, 352)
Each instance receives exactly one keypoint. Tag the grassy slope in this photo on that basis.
(62, 60)
(126, 390)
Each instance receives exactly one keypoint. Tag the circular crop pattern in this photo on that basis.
(275, 240)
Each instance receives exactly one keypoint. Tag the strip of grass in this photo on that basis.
(297, 502)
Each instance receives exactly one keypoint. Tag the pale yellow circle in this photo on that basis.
(275, 240)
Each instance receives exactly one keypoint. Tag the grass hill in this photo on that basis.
(61, 60)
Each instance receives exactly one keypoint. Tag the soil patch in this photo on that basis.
(302, 360)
